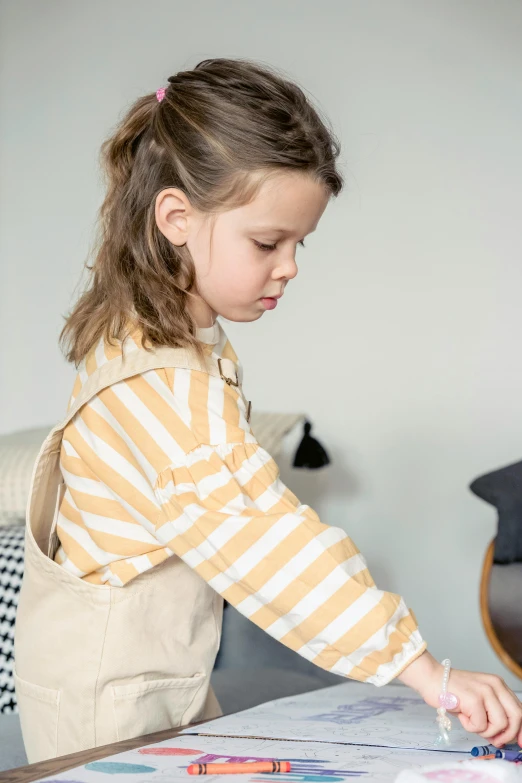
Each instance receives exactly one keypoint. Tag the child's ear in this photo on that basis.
(172, 211)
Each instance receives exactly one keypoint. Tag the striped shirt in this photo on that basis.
(165, 464)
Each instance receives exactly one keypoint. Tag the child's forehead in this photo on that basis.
(286, 204)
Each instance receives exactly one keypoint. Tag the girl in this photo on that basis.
(152, 501)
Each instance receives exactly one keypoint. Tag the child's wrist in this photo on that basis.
(423, 675)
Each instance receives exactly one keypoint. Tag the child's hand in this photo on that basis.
(486, 705)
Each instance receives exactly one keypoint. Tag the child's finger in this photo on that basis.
(473, 716)
(513, 709)
(498, 720)
(467, 724)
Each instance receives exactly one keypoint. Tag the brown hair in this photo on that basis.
(221, 130)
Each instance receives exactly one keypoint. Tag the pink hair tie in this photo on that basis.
(160, 94)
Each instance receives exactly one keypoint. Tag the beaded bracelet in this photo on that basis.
(447, 701)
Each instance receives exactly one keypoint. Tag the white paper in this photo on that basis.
(351, 713)
(312, 762)
(494, 771)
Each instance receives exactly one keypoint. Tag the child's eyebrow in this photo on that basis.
(277, 230)
(272, 228)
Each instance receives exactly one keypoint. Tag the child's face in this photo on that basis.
(233, 273)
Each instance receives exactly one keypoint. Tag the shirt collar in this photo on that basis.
(209, 334)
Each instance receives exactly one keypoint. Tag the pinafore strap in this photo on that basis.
(47, 487)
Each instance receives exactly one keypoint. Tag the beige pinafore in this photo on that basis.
(93, 663)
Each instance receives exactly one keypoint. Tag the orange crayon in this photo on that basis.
(484, 758)
(236, 769)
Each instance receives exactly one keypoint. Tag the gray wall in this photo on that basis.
(401, 334)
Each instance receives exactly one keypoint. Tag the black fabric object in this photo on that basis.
(503, 489)
(11, 572)
(310, 454)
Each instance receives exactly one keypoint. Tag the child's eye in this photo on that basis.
(267, 248)
(261, 246)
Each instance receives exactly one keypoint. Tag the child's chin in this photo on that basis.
(244, 315)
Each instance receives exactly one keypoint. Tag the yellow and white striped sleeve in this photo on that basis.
(227, 514)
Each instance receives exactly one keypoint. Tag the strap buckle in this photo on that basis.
(225, 378)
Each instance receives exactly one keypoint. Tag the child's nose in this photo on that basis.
(288, 268)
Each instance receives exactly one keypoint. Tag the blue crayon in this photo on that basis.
(483, 750)
(509, 755)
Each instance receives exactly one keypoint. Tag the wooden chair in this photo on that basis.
(492, 630)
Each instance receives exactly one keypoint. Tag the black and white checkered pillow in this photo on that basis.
(11, 571)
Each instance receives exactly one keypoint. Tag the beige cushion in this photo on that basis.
(18, 452)
(271, 428)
